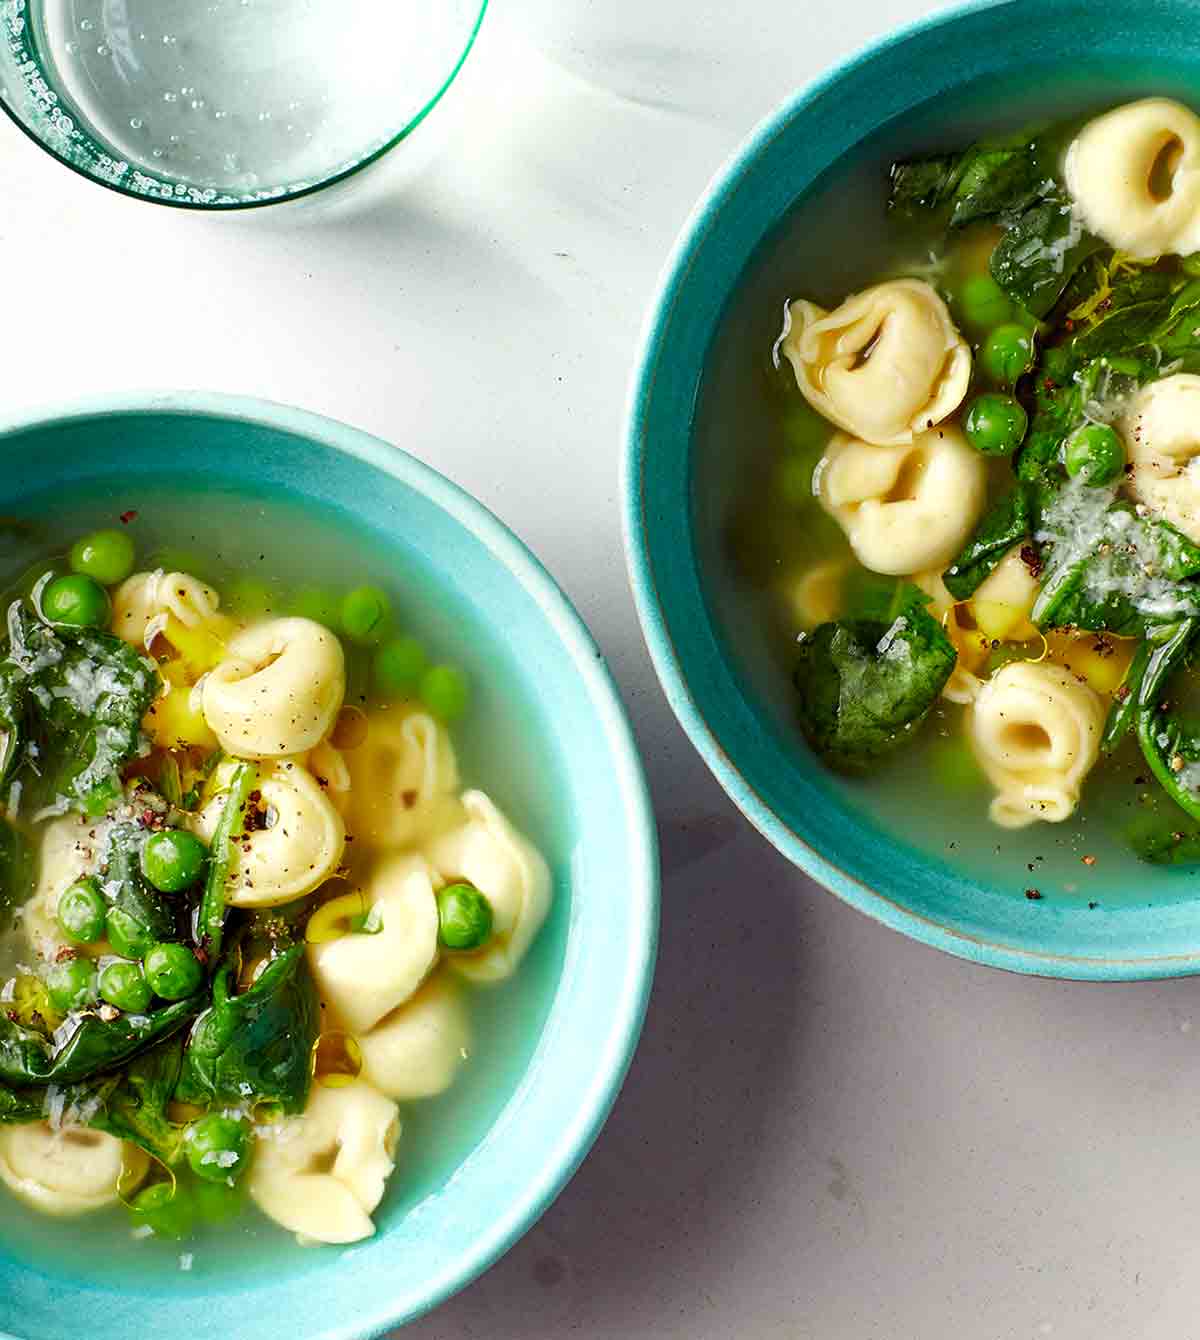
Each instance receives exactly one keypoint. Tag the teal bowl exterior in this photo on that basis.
(608, 901)
(778, 785)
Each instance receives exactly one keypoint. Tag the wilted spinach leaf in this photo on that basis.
(255, 1047)
(1009, 521)
(74, 699)
(863, 685)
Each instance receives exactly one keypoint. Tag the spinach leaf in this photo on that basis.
(988, 179)
(1169, 743)
(132, 1105)
(210, 924)
(90, 1047)
(1164, 839)
(1040, 250)
(74, 699)
(137, 915)
(1008, 521)
(255, 1047)
(1110, 570)
(18, 1106)
(1123, 712)
(864, 685)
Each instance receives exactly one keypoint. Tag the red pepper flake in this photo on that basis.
(127, 517)
(1088, 860)
(1034, 895)
(65, 953)
(1032, 560)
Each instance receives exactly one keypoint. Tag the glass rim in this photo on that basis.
(232, 206)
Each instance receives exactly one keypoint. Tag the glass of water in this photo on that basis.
(227, 104)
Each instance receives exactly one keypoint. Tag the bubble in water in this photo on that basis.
(156, 153)
(70, 48)
(101, 50)
(86, 25)
(172, 139)
(220, 116)
(198, 104)
(170, 96)
(136, 123)
(168, 39)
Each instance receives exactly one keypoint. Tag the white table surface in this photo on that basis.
(828, 1132)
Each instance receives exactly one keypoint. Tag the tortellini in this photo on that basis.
(147, 597)
(278, 691)
(66, 852)
(1134, 175)
(489, 853)
(364, 976)
(1036, 730)
(903, 508)
(321, 1175)
(416, 1051)
(886, 365)
(1004, 600)
(298, 849)
(1161, 429)
(67, 1170)
(403, 777)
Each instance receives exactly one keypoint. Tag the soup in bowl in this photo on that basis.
(908, 485)
(312, 782)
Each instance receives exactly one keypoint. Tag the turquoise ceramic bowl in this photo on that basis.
(1041, 51)
(594, 957)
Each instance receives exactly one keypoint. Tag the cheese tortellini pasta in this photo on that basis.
(403, 777)
(1036, 732)
(322, 1174)
(904, 508)
(886, 365)
(1161, 428)
(67, 1170)
(1134, 175)
(147, 599)
(364, 976)
(417, 1050)
(488, 852)
(296, 849)
(278, 691)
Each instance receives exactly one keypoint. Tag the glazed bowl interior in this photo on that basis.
(986, 67)
(546, 735)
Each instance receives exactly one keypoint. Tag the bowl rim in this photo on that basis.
(666, 659)
(240, 206)
(631, 990)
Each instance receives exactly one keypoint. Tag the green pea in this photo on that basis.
(173, 971)
(127, 935)
(365, 615)
(76, 600)
(217, 1202)
(398, 665)
(464, 917)
(248, 596)
(173, 860)
(81, 912)
(444, 690)
(984, 303)
(317, 604)
(71, 984)
(104, 555)
(166, 1208)
(1096, 452)
(124, 985)
(218, 1148)
(1006, 353)
(996, 424)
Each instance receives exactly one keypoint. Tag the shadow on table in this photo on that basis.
(725, 1025)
